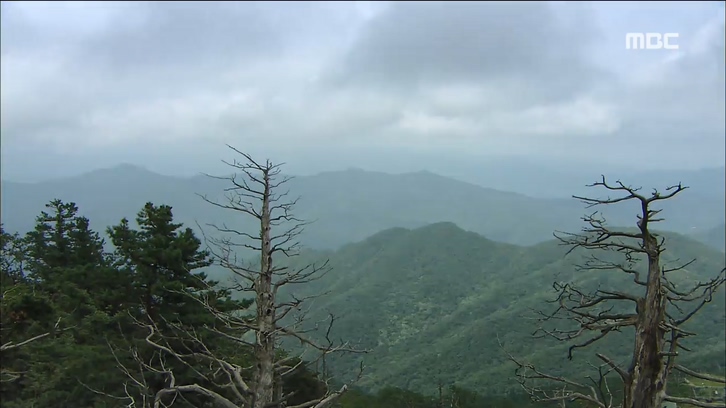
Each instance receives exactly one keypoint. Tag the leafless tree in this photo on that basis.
(655, 307)
(252, 192)
(184, 345)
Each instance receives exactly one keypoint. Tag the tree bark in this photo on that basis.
(265, 344)
(646, 385)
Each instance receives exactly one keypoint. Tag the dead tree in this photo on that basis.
(252, 192)
(223, 379)
(655, 308)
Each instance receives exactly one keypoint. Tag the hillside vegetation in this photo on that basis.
(714, 237)
(76, 320)
(430, 303)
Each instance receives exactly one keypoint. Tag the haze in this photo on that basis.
(397, 87)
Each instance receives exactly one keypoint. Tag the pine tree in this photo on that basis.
(20, 307)
(66, 268)
(163, 260)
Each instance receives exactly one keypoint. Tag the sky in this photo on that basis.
(374, 85)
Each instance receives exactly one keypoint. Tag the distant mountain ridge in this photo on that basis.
(347, 206)
(526, 175)
(714, 237)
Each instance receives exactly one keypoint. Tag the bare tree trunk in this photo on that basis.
(278, 397)
(265, 344)
(646, 385)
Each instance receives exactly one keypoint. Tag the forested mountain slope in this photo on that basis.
(433, 303)
(714, 237)
(430, 303)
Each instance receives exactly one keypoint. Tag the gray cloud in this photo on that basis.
(533, 79)
(521, 48)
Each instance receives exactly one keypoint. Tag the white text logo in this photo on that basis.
(650, 41)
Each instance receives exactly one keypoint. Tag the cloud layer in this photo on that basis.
(158, 82)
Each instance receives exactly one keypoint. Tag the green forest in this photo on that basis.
(145, 313)
(76, 304)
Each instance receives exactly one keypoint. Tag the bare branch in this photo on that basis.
(273, 316)
(654, 309)
(703, 376)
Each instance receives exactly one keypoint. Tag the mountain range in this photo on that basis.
(430, 273)
(348, 206)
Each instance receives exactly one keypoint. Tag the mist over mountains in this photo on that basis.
(350, 205)
(429, 272)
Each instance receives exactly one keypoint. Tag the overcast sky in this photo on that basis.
(333, 85)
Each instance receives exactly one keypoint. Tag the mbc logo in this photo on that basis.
(650, 41)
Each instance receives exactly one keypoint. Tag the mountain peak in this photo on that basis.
(120, 171)
(127, 167)
(442, 226)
